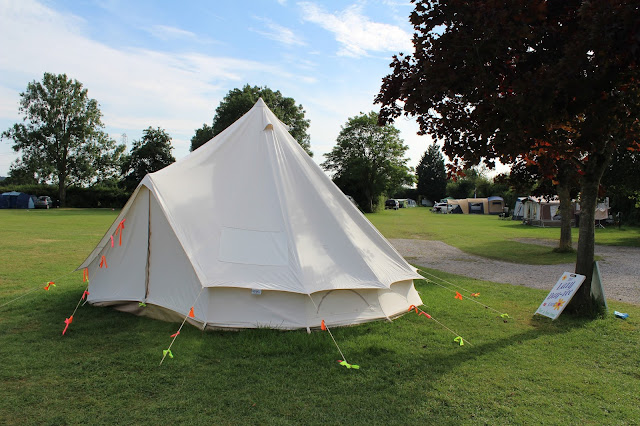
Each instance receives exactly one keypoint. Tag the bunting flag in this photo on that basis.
(85, 275)
(425, 314)
(458, 296)
(475, 294)
(103, 262)
(84, 295)
(191, 314)
(414, 308)
(175, 334)
(119, 231)
(49, 284)
(67, 321)
(112, 241)
(323, 327)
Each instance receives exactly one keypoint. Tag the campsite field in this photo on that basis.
(527, 370)
(490, 237)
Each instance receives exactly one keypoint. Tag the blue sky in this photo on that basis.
(168, 64)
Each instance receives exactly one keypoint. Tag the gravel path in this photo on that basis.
(619, 267)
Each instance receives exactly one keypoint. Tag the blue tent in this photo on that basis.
(16, 200)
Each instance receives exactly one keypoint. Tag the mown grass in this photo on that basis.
(105, 370)
(490, 237)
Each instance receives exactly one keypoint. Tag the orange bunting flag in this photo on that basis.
(85, 294)
(103, 262)
(85, 275)
(67, 322)
(120, 230)
(175, 334)
(475, 294)
(112, 241)
(413, 307)
(425, 314)
(322, 326)
(458, 296)
(191, 314)
(49, 284)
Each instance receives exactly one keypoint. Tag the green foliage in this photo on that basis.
(368, 160)
(105, 370)
(203, 135)
(148, 155)
(431, 174)
(473, 184)
(61, 140)
(239, 101)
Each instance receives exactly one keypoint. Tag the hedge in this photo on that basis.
(97, 196)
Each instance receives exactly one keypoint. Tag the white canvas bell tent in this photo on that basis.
(249, 231)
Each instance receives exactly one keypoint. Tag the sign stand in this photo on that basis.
(560, 295)
(597, 289)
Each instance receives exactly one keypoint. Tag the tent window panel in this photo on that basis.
(252, 247)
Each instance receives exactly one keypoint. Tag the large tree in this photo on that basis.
(621, 183)
(528, 79)
(431, 174)
(61, 138)
(368, 160)
(239, 101)
(148, 155)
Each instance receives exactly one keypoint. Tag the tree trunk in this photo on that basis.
(582, 304)
(566, 213)
(62, 190)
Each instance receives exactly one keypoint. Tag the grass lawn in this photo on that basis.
(490, 237)
(105, 369)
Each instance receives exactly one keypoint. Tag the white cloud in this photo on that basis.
(356, 33)
(279, 33)
(136, 88)
(164, 32)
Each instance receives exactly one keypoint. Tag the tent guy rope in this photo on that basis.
(461, 296)
(85, 293)
(46, 287)
(324, 327)
(420, 312)
(175, 335)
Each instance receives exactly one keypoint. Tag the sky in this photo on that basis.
(168, 64)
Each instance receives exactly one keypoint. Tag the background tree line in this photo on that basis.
(66, 154)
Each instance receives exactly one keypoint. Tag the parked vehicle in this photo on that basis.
(391, 204)
(43, 202)
(442, 208)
